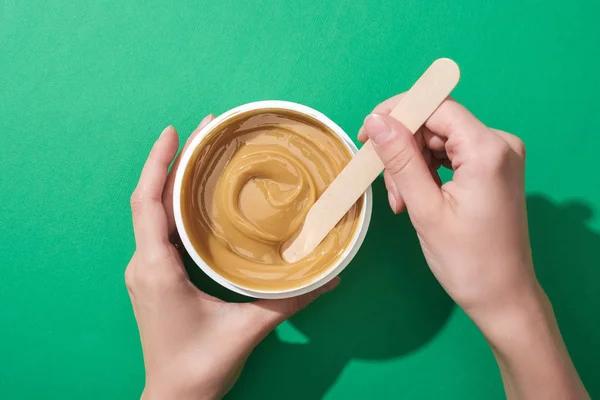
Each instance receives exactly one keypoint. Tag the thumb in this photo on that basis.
(408, 171)
(274, 312)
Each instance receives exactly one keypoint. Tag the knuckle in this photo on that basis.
(515, 142)
(501, 154)
(130, 272)
(397, 163)
(154, 280)
(151, 281)
(400, 156)
(454, 122)
(520, 147)
(493, 155)
(149, 272)
(136, 200)
(155, 258)
(130, 278)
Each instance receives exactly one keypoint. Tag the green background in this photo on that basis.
(86, 87)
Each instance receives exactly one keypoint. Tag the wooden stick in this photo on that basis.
(415, 107)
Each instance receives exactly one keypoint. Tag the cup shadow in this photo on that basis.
(388, 304)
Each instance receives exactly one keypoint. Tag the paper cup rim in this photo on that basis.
(342, 261)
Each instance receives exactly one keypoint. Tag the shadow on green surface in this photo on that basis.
(563, 246)
(387, 305)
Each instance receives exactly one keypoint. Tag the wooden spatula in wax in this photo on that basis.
(415, 107)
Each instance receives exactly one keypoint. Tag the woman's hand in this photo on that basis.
(473, 229)
(194, 345)
(474, 235)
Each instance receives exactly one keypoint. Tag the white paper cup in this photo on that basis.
(336, 267)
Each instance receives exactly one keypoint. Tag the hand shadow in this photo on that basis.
(565, 254)
(388, 304)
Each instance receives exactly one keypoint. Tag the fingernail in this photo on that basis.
(206, 119)
(167, 129)
(377, 129)
(392, 200)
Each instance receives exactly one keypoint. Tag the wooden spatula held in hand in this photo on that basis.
(415, 107)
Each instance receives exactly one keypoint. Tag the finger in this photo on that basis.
(388, 105)
(515, 143)
(433, 141)
(420, 140)
(451, 118)
(382, 108)
(168, 192)
(463, 133)
(396, 203)
(273, 312)
(148, 213)
(205, 121)
(362, 135)
(401, 156)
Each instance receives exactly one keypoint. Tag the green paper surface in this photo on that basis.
(86, 87)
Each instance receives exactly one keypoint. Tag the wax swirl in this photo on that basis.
(283, 184)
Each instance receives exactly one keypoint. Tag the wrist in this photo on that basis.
(153, 392)
(526, 341)
(518, 317)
